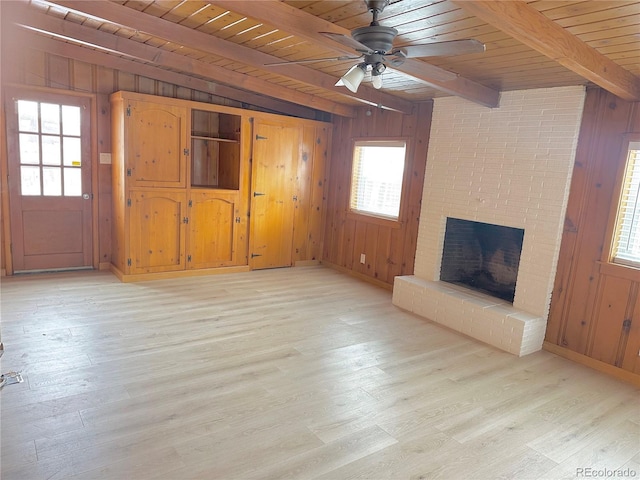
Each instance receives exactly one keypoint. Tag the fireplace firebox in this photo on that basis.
(482, 256)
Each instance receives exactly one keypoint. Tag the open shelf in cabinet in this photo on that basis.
(213, 139)
(215, 150)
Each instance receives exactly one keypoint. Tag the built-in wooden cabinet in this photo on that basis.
(183, 194)
(180, 186)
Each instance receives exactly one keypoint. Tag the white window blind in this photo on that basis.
(376, 179)
(626, 242)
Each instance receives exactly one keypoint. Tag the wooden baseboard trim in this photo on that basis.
(104, 266)
(116, 271)
(616, 372)
(359, 276)
(306, 263)
(140, 277)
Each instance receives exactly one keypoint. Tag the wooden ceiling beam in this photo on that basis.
(181, 35)
(68, 50)
(92, 38)
(527, 25)
(304, 25)
(82, 54)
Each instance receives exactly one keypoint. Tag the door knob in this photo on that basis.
(86, 196)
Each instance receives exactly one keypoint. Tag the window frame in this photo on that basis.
(63, 168)
(607, 261)
(372, 217)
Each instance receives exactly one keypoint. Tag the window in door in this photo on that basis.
(50, 152)
(376, 178)
(626, 239)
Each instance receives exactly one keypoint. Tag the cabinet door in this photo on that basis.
(156, 145)
(157, 231)
(275, 156)
(214, 224)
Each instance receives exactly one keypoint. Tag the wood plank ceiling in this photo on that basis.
(224, 45)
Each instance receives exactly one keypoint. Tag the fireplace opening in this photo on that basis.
(482, 256)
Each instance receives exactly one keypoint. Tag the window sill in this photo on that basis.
(373, 219)
(621, 271)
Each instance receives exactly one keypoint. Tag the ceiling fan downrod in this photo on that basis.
(376, 7)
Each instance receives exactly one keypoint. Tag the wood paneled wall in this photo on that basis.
(389, 251)
(592, 299)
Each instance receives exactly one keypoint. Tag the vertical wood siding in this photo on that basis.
(590, 302)
(389, 251)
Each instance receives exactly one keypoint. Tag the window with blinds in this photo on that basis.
(626, 240)
(376, 178)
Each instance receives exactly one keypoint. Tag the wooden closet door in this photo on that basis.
(275, 154)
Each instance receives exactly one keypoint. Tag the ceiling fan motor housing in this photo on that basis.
(376, 37)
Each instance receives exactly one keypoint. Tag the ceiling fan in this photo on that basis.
(374, 43)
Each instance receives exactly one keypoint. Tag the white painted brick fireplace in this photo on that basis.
(508, 166)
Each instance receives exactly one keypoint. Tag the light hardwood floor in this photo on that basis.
(289, 373)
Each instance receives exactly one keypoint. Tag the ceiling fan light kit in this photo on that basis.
(353, 78)
(376, 75)
(376, 81)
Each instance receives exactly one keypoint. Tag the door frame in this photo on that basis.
(13, 90)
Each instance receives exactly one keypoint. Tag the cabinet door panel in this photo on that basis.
(156, 141)
(157, 231)
(213, 229)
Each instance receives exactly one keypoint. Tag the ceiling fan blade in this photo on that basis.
(440, 75)
(438, 49)
(310, 60)
(348, 42)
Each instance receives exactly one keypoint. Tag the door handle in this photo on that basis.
(257, 194)
(87, 196)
